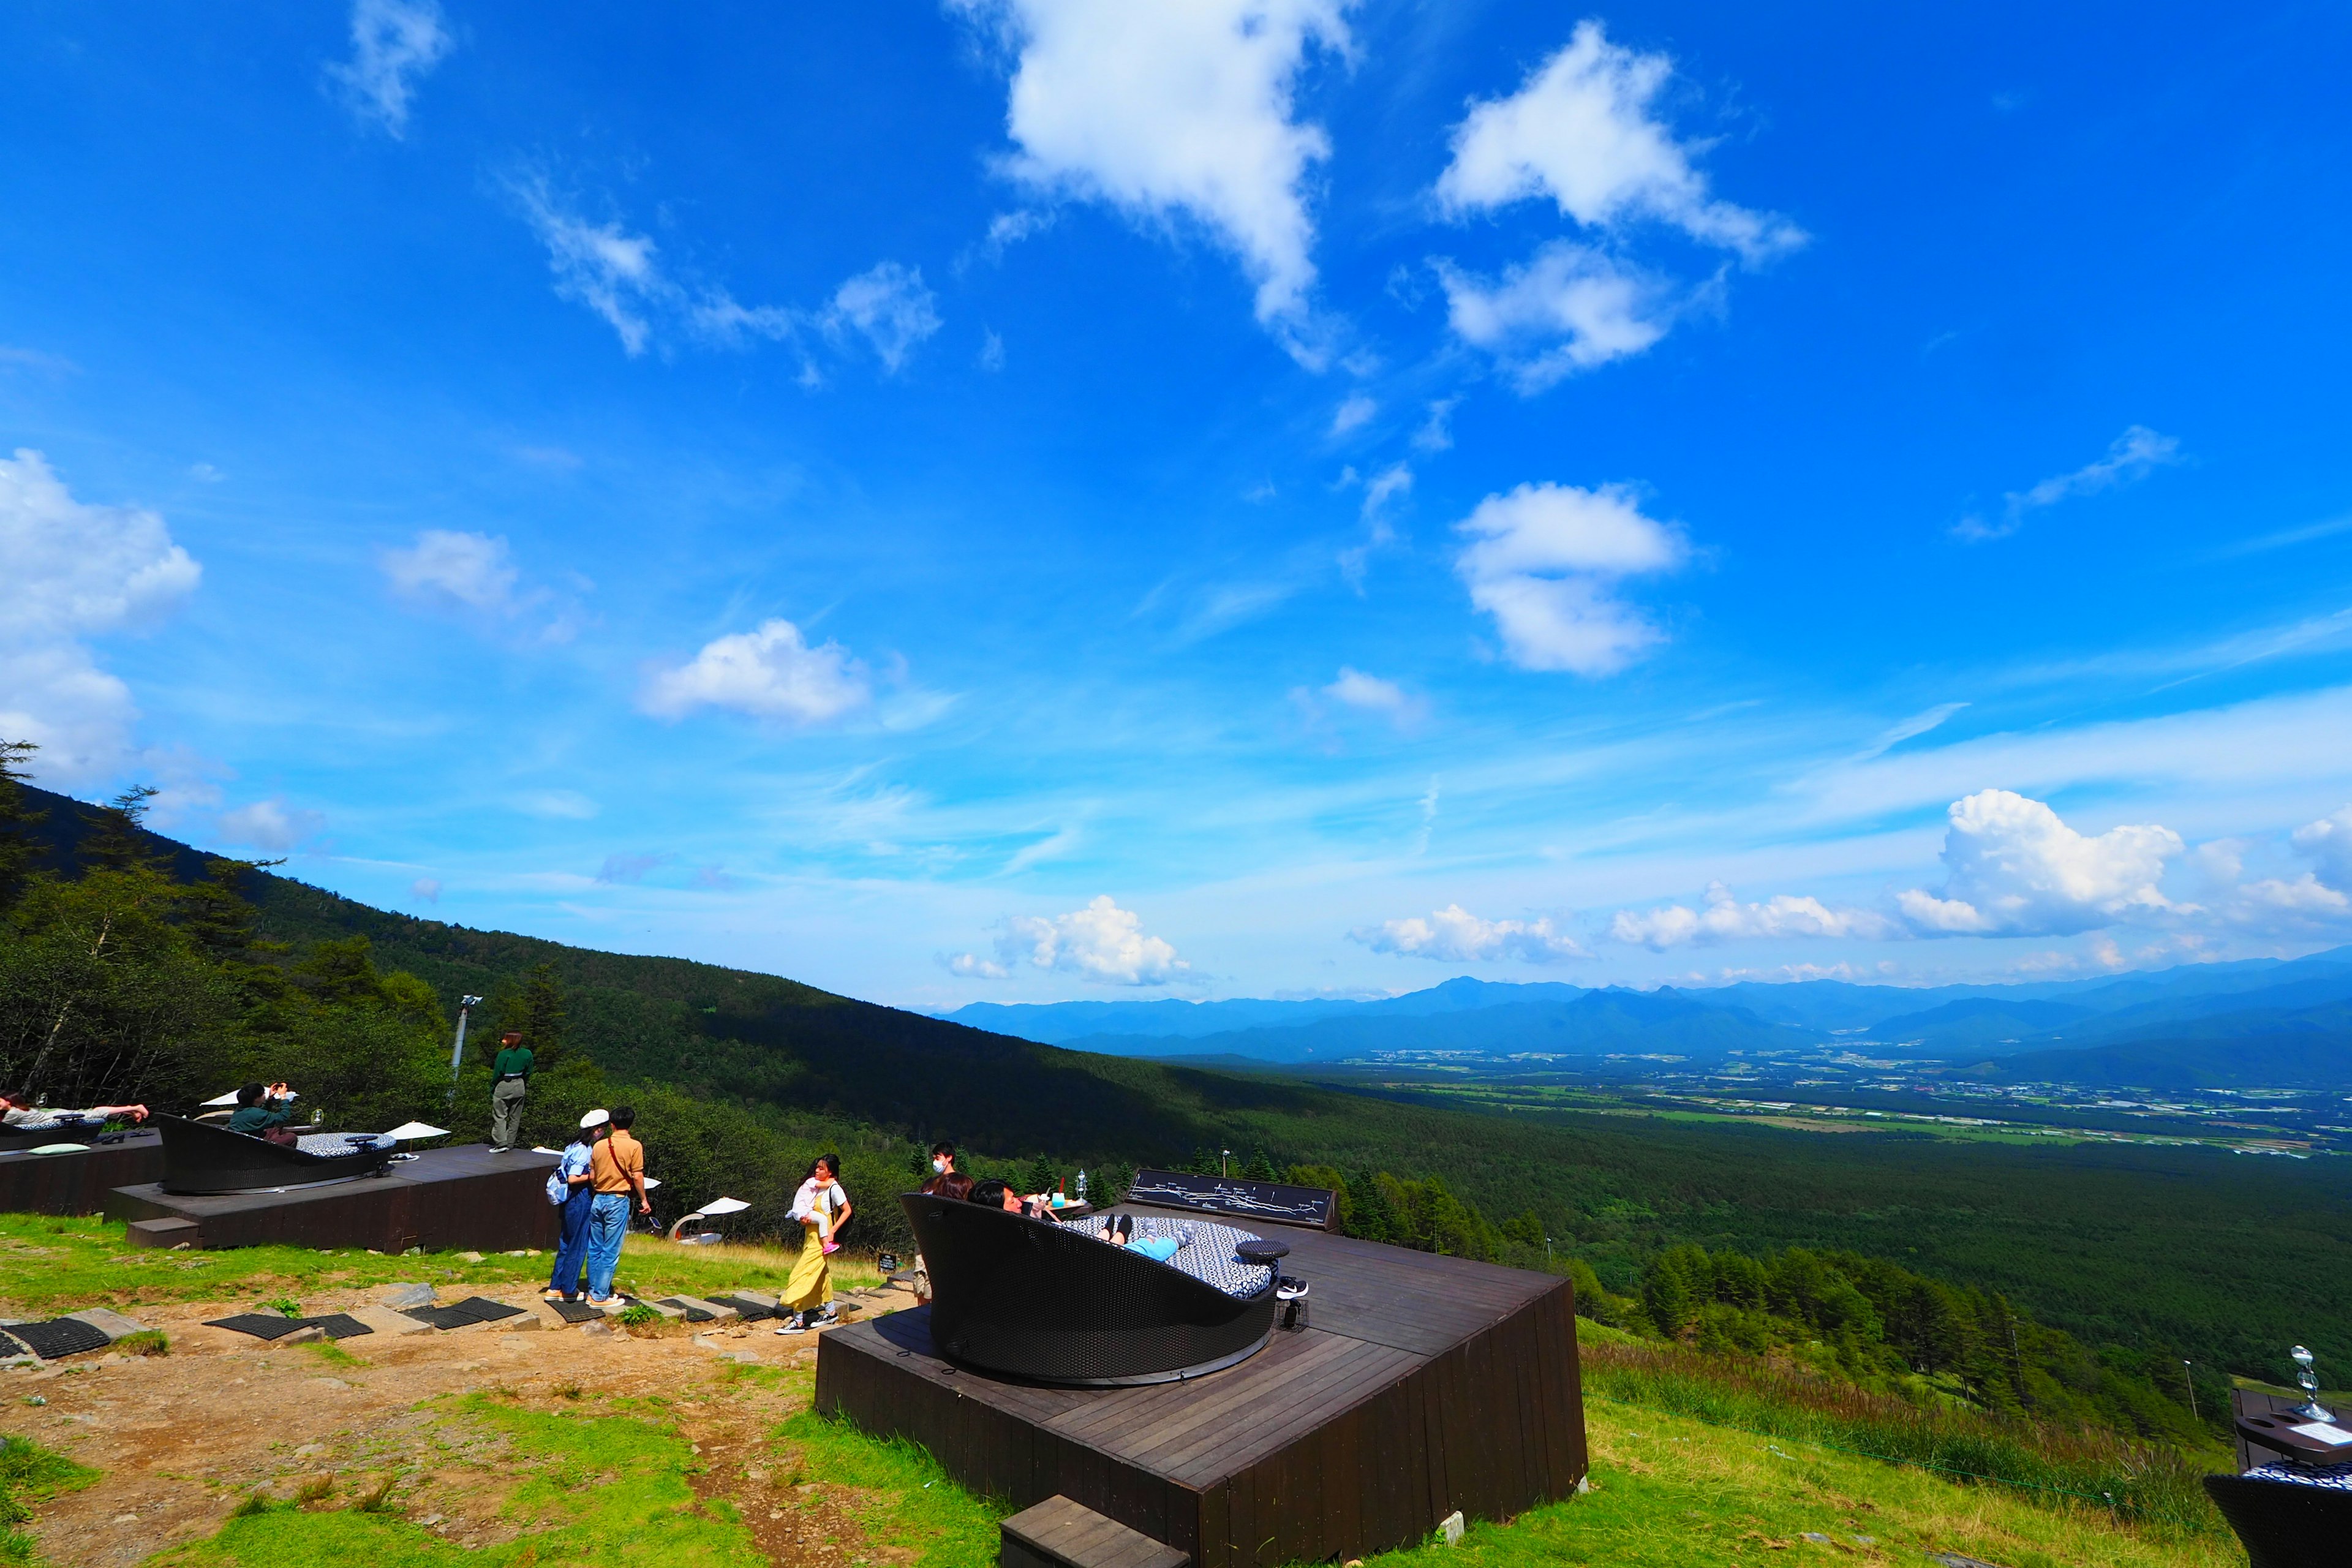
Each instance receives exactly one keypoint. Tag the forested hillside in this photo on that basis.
(2102, 1267)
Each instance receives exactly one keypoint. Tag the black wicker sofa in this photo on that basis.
(199, 1158)
(1034, 1299)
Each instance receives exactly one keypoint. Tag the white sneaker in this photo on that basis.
(794, 1327)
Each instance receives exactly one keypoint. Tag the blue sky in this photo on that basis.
(1027, 499)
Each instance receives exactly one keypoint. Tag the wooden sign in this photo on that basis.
(1272, 1202)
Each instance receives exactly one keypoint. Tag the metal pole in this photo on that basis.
(2189, 1378)
(1222, 1155)
(466, 1005)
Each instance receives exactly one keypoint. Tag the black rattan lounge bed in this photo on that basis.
(1031, 1299)
(201, 1158)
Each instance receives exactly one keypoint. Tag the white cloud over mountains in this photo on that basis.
(2013, 868)
(474, 577)
(271, 825)
(772, 673)
(621, 277)
(1101, 943)
(393, 43)
(1170, 110)
(1723, 918)
(1545, 562)
(1454, 935)
(74, 571)
(1583, 131)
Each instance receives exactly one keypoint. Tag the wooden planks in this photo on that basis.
(1060, 1534)
(444, 1199)
(1424, 1384)
(77, 1184)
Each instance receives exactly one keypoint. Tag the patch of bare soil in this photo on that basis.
(183, 1438)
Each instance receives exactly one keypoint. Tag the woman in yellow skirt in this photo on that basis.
(820, 1207)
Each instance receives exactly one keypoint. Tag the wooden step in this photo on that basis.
(1059, 1533)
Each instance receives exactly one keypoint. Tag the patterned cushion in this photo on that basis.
(1207, 1254)
(340, 1143)
(2335, 1478)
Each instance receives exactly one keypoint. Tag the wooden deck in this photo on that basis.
(77, 1184)
(1423, 1385)
(443, 1199)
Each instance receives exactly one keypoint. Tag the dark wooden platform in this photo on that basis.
(77, 1184)
(1424, 1384)
(445, 1199)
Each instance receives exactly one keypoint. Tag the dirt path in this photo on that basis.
(180, 1439)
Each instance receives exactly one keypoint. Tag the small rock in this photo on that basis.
(126, 1519)
(597, 1331)
(307, 1449)
(323, 1382)
(469, 1257)
(1817, 1538)
(1865, 1540)
(308, 1334)
(1451, 1528)
(397, 1296)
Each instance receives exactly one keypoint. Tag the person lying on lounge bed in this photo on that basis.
(16, 1108)
(996, 1194)
(261, 1109)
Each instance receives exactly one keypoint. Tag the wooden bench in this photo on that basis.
(1059, 1533)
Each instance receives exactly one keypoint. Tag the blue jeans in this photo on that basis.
(571, 1254)
(608, 1221)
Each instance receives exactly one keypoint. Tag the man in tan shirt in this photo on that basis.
(617, 1174)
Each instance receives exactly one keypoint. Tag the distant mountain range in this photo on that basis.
(2286, 1022)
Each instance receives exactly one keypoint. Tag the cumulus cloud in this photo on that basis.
(74, 571)
(1352, 414)
(393, 44)
(1571, 308)
(772, 673)
(889, 306)
(2329, 842)
(425, 889)
(473, 575)
(1454, 935)
(1101, 943)
(1547, 562)
(1582, 131)
(1723, 918)
(271, 825)
(1171, 110)
(2131, 457)
(622, 277)
(2012, 867)
(1371, 694)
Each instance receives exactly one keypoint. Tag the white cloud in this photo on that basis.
(771, 673)
(1545, 565)
(393, 43)
(1177, 107)
(621, 277)
(1101, 942)
(1353, 414)
(473, 575)
(425, 889)
(1436, 431)
(1571, 308)
(1725, 919)
(271, 825)
(1371, 694)
(972, 967)
(562, 805)
(632, 869)
(75, 571)
(2329, 842)
(2131, 457)
(889, 307)
(992, 351)
(2013, 868)
(1454, 935)
(1581, 130)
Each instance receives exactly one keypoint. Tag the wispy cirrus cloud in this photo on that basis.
(2130, 457)
(394, 43)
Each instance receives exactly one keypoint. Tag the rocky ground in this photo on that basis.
(180, 1439)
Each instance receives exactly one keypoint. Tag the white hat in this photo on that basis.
(596, 1118)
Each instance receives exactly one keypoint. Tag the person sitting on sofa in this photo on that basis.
(262, 1110)
(17, 1109)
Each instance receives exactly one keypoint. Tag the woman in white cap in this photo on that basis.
(571, 1255)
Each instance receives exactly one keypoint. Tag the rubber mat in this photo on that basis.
(574, 1311)
(62, 1337)
(458, 1314)
(270, 1326)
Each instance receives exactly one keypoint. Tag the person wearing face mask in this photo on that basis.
(947, 1182)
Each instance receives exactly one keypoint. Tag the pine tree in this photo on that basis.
(16, 818)
(1260, 1168)
(113, 843)
(540, 1014)
(1041, 1177)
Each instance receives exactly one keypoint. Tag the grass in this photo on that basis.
(902, 1497)
(1671, 1492)
(28, 1474)
(608, 1488)
(51, 1265)
(2155, 1487)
